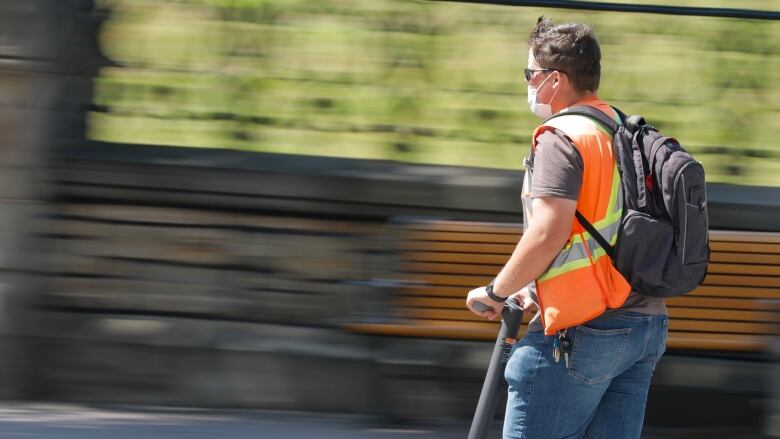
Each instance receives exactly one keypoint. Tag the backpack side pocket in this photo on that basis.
(642, 251)
(688, 260)
(692, 242)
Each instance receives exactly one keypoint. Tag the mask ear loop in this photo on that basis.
(538, 87)
(554, 94)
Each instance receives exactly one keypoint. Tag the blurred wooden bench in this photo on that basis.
(734, 310)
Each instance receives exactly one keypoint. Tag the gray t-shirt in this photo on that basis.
(557, 172)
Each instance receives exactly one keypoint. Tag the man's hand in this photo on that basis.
(493, 309)
(523, 297)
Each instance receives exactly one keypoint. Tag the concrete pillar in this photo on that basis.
(48, 58)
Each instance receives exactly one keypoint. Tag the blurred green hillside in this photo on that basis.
(422, 81)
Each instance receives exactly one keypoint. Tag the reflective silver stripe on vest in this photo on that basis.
(574, 255)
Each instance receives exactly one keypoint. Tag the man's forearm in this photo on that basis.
(531, 257)
(546, 235)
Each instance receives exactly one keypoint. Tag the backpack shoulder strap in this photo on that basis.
(595, 234)
(612, 125)
(593, 113)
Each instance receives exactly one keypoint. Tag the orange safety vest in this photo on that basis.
(582, 282)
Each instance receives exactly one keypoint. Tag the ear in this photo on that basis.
(562, 82)
(561, 78)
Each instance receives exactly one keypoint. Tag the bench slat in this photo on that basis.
(739, 281)
(517, 228)
(715, 302)
(723, 315)
(718, 342)
(472, 281)
(745, 258)
(740, 291)
(494, 238)
(703, 304)
(763, 271)
(702, 291)
(449, 314)
(739, 236)
(452, 257)
(467, 227)
(722, 327)
(745, 247)
(496, 249)
(506, 249)
(749, 269)
(499, 238)
(477, 331)
(753, 322)
(716, 258)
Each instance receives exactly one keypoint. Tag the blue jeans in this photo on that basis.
(601, 395)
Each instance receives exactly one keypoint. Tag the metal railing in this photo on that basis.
(645, 8)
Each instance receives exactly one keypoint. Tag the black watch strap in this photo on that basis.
(492, 295)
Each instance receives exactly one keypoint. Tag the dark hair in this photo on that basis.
(571, 48)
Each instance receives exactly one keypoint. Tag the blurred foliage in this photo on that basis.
(421, 81)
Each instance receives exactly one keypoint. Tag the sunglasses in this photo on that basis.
(529, 73)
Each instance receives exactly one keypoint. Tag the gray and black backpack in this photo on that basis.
(663, 244)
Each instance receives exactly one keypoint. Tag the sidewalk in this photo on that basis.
(41, 421)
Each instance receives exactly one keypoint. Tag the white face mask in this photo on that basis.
(540, 110)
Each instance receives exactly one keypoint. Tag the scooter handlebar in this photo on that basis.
(511, 317)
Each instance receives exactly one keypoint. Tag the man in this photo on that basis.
(584, 366)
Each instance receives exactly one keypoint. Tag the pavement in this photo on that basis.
(61, 421)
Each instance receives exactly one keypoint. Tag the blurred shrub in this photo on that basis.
(421, 81)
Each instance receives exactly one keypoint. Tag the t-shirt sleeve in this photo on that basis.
(557, 167)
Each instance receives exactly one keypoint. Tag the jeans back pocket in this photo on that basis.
(596, 353)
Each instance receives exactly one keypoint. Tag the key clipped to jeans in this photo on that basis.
(562, 345)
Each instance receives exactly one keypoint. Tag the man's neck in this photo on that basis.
(574, 99)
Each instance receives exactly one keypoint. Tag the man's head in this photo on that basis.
(570, 48)
(564, 63)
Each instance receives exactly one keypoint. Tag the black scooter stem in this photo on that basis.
(511, 316)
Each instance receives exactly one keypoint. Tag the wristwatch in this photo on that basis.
(492, 295)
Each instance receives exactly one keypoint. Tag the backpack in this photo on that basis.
(662, 247)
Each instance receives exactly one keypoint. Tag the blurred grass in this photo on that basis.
(421, 81)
